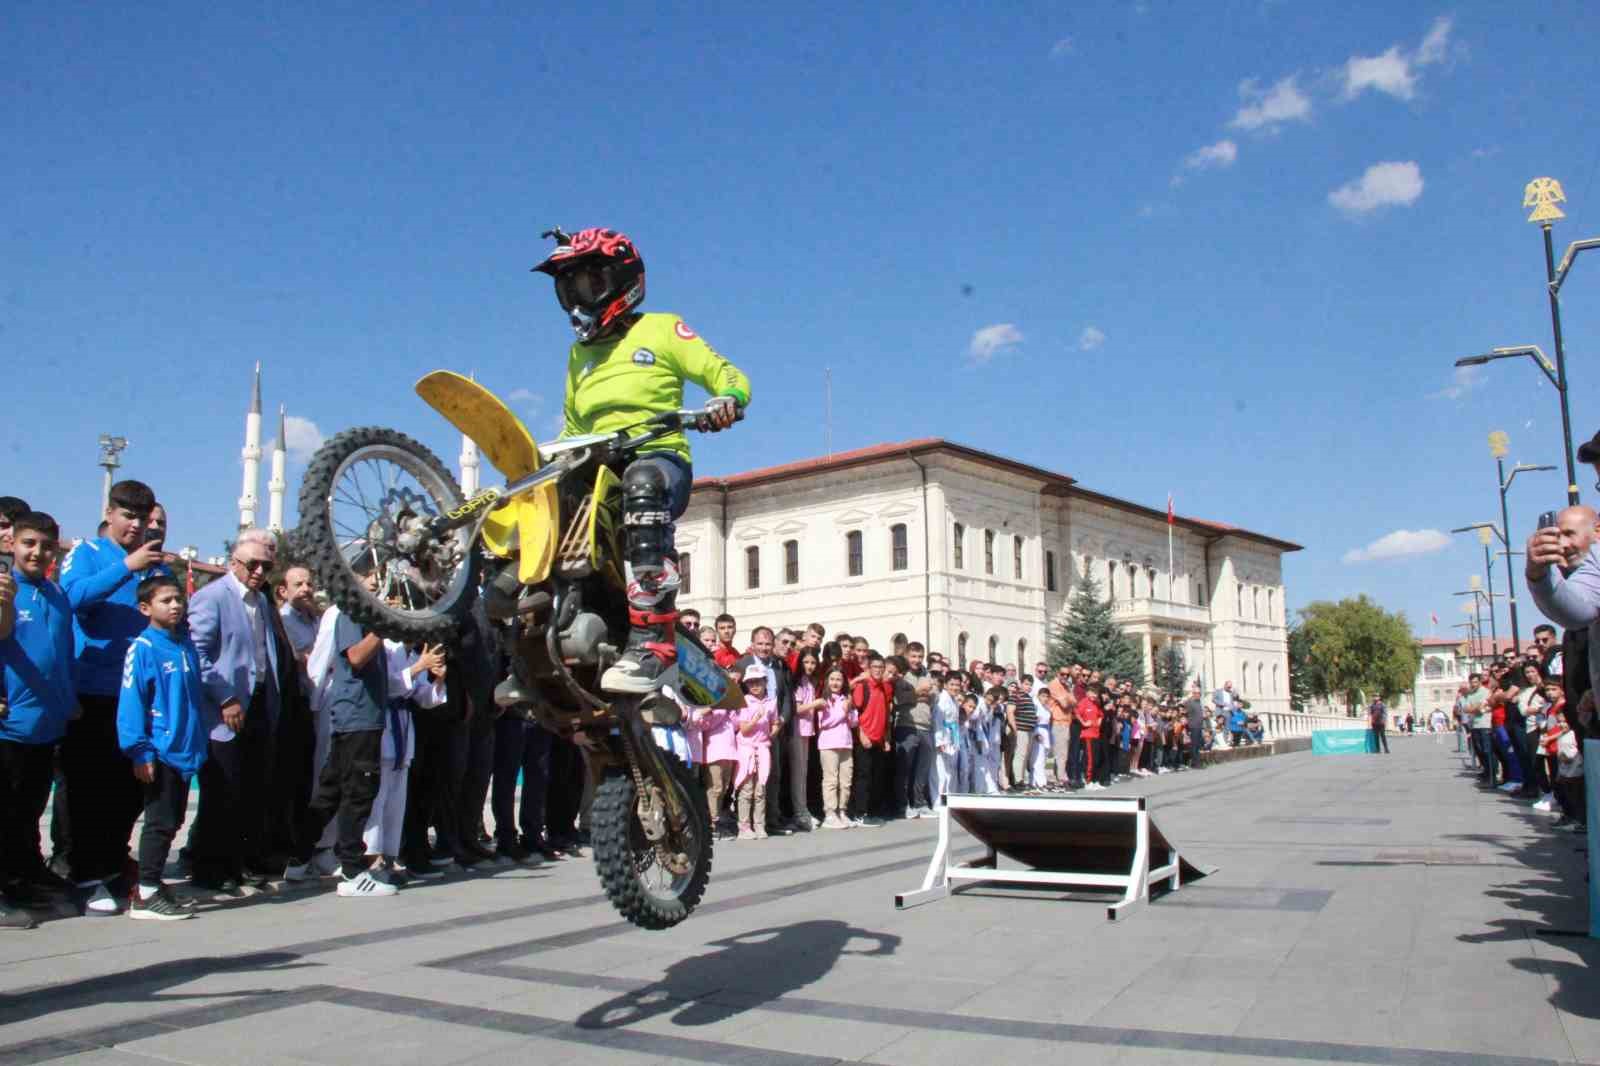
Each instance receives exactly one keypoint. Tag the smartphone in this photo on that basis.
(1547, 519)
(151, 536)
(5, 562)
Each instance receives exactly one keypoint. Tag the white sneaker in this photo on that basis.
(325, 863)
(102, 903)
(364, 884)
(1095, 786)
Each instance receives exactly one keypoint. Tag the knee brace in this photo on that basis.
(652, 571)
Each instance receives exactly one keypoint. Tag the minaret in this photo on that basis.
(469, 466)
(252, 456)
(276, 483)
(469, 460)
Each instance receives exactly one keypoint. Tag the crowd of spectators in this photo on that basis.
(316, 749)
(835, 734)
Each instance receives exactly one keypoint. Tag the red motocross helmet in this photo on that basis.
(599, 277)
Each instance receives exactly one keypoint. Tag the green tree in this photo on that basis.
(1302, 689)
(1171, 671)
(1355, 650)
(1092, 638)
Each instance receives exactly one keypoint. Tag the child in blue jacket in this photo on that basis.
(162, 726)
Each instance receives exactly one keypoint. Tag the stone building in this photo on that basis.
(975, 555)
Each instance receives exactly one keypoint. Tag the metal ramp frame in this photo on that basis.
(1063, 840)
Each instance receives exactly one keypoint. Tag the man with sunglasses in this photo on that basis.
(258, 764)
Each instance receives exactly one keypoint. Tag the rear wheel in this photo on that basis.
(364, 506)
(655, 885)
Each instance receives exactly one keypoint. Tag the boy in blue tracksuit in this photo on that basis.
(36, 668)
(100, 577)
(162, 726)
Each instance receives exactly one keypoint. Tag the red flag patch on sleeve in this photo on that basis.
(682, 329)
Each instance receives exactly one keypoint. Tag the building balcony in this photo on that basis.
(1160, 612)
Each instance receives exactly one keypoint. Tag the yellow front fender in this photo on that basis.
(478, 413)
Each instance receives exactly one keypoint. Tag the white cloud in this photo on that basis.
(1212, 156)
(1090, 339)
(1062, 48)
(301, 438)
(1269, 108)
(991, 341)
(1381, 185)
(1400, 543)
(1465, 379)
(1395, 71)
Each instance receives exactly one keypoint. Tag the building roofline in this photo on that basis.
(1054, 484)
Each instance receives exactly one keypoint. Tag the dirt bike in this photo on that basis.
(544, 552)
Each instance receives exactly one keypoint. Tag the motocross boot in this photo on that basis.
(652, 573)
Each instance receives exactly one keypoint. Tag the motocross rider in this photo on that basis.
(625, 367)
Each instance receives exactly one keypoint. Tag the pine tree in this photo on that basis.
(1172, 671)
(1091, 637)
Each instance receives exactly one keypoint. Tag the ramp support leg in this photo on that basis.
(936, 882)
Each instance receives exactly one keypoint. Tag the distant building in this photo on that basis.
(975, 555)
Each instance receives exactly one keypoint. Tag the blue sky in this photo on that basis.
(1228, 251)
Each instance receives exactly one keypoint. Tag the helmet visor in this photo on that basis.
(582, 286)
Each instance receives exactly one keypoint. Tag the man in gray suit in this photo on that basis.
(252, 778)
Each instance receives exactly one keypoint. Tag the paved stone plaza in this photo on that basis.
(1364, 909)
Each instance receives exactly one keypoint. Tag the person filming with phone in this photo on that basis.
(1563, 574)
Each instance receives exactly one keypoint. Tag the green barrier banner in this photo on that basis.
(1342, 742)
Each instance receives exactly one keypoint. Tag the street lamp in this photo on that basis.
(1557, 377)
(1543, 194)
(1499, 444)
(110, 448)
(1486, 534)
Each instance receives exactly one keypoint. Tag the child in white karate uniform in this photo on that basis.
(946, 736)
(417, 679)
(991, 730)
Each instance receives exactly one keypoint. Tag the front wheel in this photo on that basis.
(365, 508)
(655, 885)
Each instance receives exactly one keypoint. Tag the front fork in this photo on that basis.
(648, 764)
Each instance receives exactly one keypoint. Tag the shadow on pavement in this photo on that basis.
(749, 969)
(144, 983)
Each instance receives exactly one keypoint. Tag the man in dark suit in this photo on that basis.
(254, 782)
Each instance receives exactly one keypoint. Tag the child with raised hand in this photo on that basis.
(163, 723)
(836, 720)
(758, 723)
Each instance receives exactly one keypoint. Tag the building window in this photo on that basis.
(1016, 558)
(957, 536)
(1261, 679)
(1244, 677)
(1133, 582)
(752, 567)
(1050, 571)
(1241, 599)
(1274, 679)
(1255, 602)
(685, 573)
(994, 650)
(1199, 594)
(1022, 658)
(988, 551)
(1111, 581)
(897, 547)
(791, 562)
(852, 553)
(1270, 615)
(961, 651)
(1150, 574)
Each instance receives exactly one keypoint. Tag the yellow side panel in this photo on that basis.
(478, 413)
(605, 527)
(539, 529)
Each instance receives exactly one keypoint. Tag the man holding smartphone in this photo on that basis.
(1563, 575)
(101, 578)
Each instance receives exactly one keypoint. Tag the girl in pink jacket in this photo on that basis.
(758, 722)
(719, 731)
(836, 720)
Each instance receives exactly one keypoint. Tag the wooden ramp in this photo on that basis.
(1059, 841)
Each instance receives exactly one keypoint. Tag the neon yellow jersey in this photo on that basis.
(617, 381)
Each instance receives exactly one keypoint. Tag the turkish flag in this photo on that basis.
(1172, 519)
